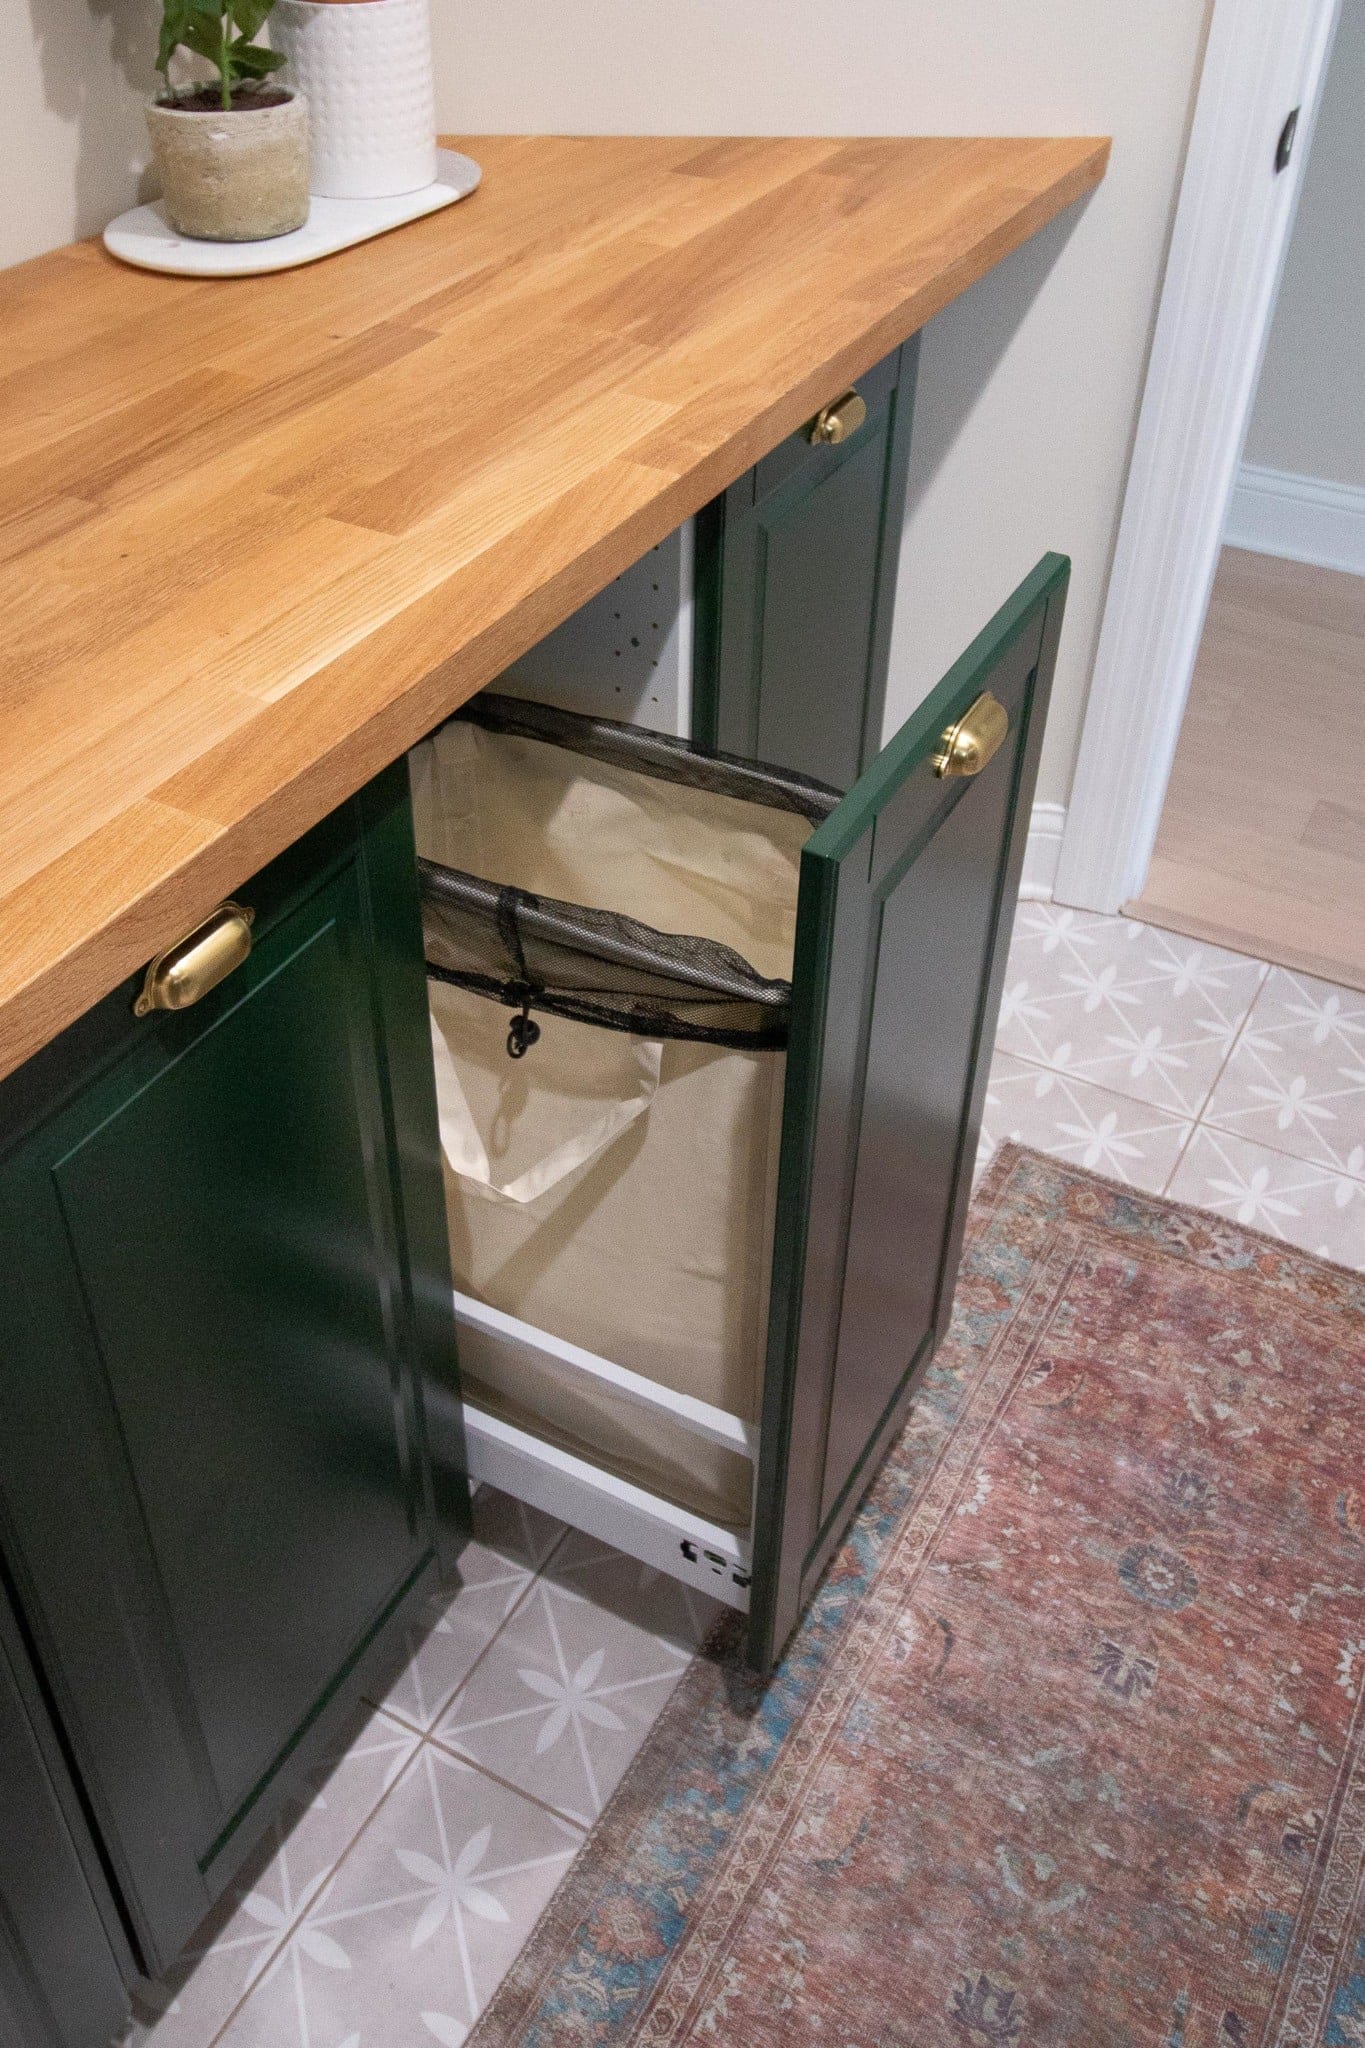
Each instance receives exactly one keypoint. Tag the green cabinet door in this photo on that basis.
(214, 1480)
(903, 924)
(795, 583)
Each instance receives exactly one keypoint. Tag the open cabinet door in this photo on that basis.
(906, 906)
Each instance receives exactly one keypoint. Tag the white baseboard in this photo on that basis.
(1300, 517)
(1042, 853)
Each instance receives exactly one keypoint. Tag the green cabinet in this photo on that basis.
(905, 911)
(215, 1486)
(795, 587)
(903, 924)
(903, 919)
(906, 905)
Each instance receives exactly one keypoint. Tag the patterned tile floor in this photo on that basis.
(1187, 1071)
(383, 1914)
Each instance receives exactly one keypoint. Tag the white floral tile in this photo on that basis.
(420, 1921)
(1143, 1012)
(1296, 1078)
(237, 1943)
(510, 1543)
(1304, 1203)
(1074, 1120)
(571, 1687)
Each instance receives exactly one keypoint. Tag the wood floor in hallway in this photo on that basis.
(1262, 841)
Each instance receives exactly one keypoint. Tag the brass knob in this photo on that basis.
(184, 973)
(967, 746)
(835, 423)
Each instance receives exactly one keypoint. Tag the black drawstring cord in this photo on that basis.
(523, 1030)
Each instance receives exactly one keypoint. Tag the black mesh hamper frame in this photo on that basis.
(534, 952)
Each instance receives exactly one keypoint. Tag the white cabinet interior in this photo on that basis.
(628, 653)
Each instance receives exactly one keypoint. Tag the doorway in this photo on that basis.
(1264, 66)
(1261, 842)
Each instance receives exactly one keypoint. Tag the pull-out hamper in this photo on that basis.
(609, 918)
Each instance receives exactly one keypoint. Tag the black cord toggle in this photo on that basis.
(523, 1032)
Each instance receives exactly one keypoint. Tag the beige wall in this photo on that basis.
(1310, 404)
(73, 75)
(1029, 387)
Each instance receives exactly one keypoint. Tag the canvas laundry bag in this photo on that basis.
(613, 1187)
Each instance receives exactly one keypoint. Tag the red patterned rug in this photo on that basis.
(1069, 1752)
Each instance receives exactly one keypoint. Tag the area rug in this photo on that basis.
(1068, 1753)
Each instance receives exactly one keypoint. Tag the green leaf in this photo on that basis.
(203, 41)
(203, 35)
(254, 61)
(175, 21)
(198, 25)
(250, 15)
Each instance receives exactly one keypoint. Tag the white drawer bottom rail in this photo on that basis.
(671, 1539)
(715, 1425)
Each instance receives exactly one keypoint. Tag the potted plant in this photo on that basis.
(233, 153)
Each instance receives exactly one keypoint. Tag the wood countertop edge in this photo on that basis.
(424, 681)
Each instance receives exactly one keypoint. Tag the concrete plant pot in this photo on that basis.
(235, 176)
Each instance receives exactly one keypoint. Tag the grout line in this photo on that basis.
(1233, 1043)
(438, 1714)
(482, 1770)
(533, 1580)
(1296, 1158)
(1192, 1118)
(1161, 1109)
(1179, 1161)
(532, 1576)
(320, 1884)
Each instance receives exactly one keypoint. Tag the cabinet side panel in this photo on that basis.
(404, 1032)
(60, 1984)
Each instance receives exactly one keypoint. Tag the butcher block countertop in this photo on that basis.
(258, 536)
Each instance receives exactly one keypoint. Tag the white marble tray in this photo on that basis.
(145, 238)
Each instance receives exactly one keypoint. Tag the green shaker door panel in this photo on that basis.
(796, 581)
(906, 905)
(816, 610)
(215, 1489)
(246, 1326)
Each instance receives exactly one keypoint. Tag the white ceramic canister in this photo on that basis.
(365, 68)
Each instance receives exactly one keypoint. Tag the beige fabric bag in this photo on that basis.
(617, 1192)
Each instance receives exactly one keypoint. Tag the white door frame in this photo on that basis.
(1228, 244)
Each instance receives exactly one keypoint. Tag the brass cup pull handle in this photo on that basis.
(185, 972)
(967, 746)
(837, 422)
